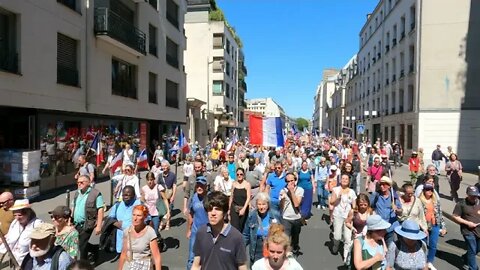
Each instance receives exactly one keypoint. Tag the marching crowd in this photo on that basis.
(246, 206)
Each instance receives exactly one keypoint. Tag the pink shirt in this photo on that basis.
(151, 197)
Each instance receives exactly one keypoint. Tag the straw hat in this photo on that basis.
(20, 204)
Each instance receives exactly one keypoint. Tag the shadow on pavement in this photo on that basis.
(457, 243)
(450, 258)
(171, 242)
(177, 222)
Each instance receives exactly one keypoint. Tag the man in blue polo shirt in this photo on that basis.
(218, 245)
(274, 184)
(197, 215)
(387, 205)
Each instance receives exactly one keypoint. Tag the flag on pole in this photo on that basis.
(266, 131)
(233, 141)
(142, 160)
(96, 147)
(182, 143)
(116, 162)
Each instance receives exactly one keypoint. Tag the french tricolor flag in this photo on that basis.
(142, 160)
(116, 162)
(266, 131)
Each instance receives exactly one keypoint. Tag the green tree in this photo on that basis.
(301, 124)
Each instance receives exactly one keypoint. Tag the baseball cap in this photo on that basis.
(42, 231)
(61, 211)
(473, 191)
(201, 180)
(333, 168)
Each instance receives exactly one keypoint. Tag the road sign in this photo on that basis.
(361, 128)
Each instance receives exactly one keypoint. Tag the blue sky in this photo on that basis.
(287, 44)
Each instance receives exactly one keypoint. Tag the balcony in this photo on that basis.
(394, 42)
(9, 61)
(67, 76)
(243, 85)
(394, 78)
(172, 61)
(387, 48)
(112, 28)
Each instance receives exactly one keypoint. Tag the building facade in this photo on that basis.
(415, 81)
(323, 100)
(267, 107)
(215, 67)
(90, 64)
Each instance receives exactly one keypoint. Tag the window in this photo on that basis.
(228, 46)
(72, 4)
(8, 38)
(386, 133)
(402, 64)
(217, 88)
(411, 54)
(402, 27)
(411, 98)
(409, 137)
(227, 69)
(153, 3)
(124, 79)
(401, 94)
(67, 72)
(152, 40)
(172, 13)
(152, 88)
(227, 88)
(412, 18)
(394, 36)
(171, 94)
(218, 41)
(392, 134)
(217, 65)
(172, 53)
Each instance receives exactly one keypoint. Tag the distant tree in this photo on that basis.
(301, 123)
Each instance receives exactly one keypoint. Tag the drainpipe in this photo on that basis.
(87, 7)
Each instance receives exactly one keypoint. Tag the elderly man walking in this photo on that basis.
(6, 215)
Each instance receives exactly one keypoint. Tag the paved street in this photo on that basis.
(315, 238)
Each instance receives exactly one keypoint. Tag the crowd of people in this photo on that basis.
(240, 198)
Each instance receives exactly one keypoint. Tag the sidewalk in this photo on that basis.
(401, 175)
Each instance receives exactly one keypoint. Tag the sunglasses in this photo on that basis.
(288, 181)
(278, 168)
(238, 174)
(428, 189)
(55, 217)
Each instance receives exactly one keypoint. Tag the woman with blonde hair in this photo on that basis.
(277, 245)
(140, 247)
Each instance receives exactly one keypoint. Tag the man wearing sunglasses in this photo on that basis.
(6, 216)
(274, 183)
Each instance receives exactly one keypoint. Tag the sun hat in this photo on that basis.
(410, 230)
(333, 168)
(471, 191)
(20, 204)
(42, 231)
(61, 211)
(428, 187)
(375, 222)
(386, 179)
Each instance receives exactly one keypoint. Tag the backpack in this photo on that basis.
(365, 254)
(95, 177)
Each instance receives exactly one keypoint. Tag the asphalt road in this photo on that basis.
(314, 242)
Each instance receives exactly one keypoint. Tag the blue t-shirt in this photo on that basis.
(200, 216)
(276, 183)
(231, 170)
(305, 180)
(123, 213)
(264, 226)
(383, 208)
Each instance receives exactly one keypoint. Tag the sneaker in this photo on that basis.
(319, 207)
(430, 266)
(324, 207)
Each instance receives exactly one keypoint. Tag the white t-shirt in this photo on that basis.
(262, 264)
(156, 170)
(343, 207)
(127, 180)
(288, 211)
(187, 169)
(224, 186)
